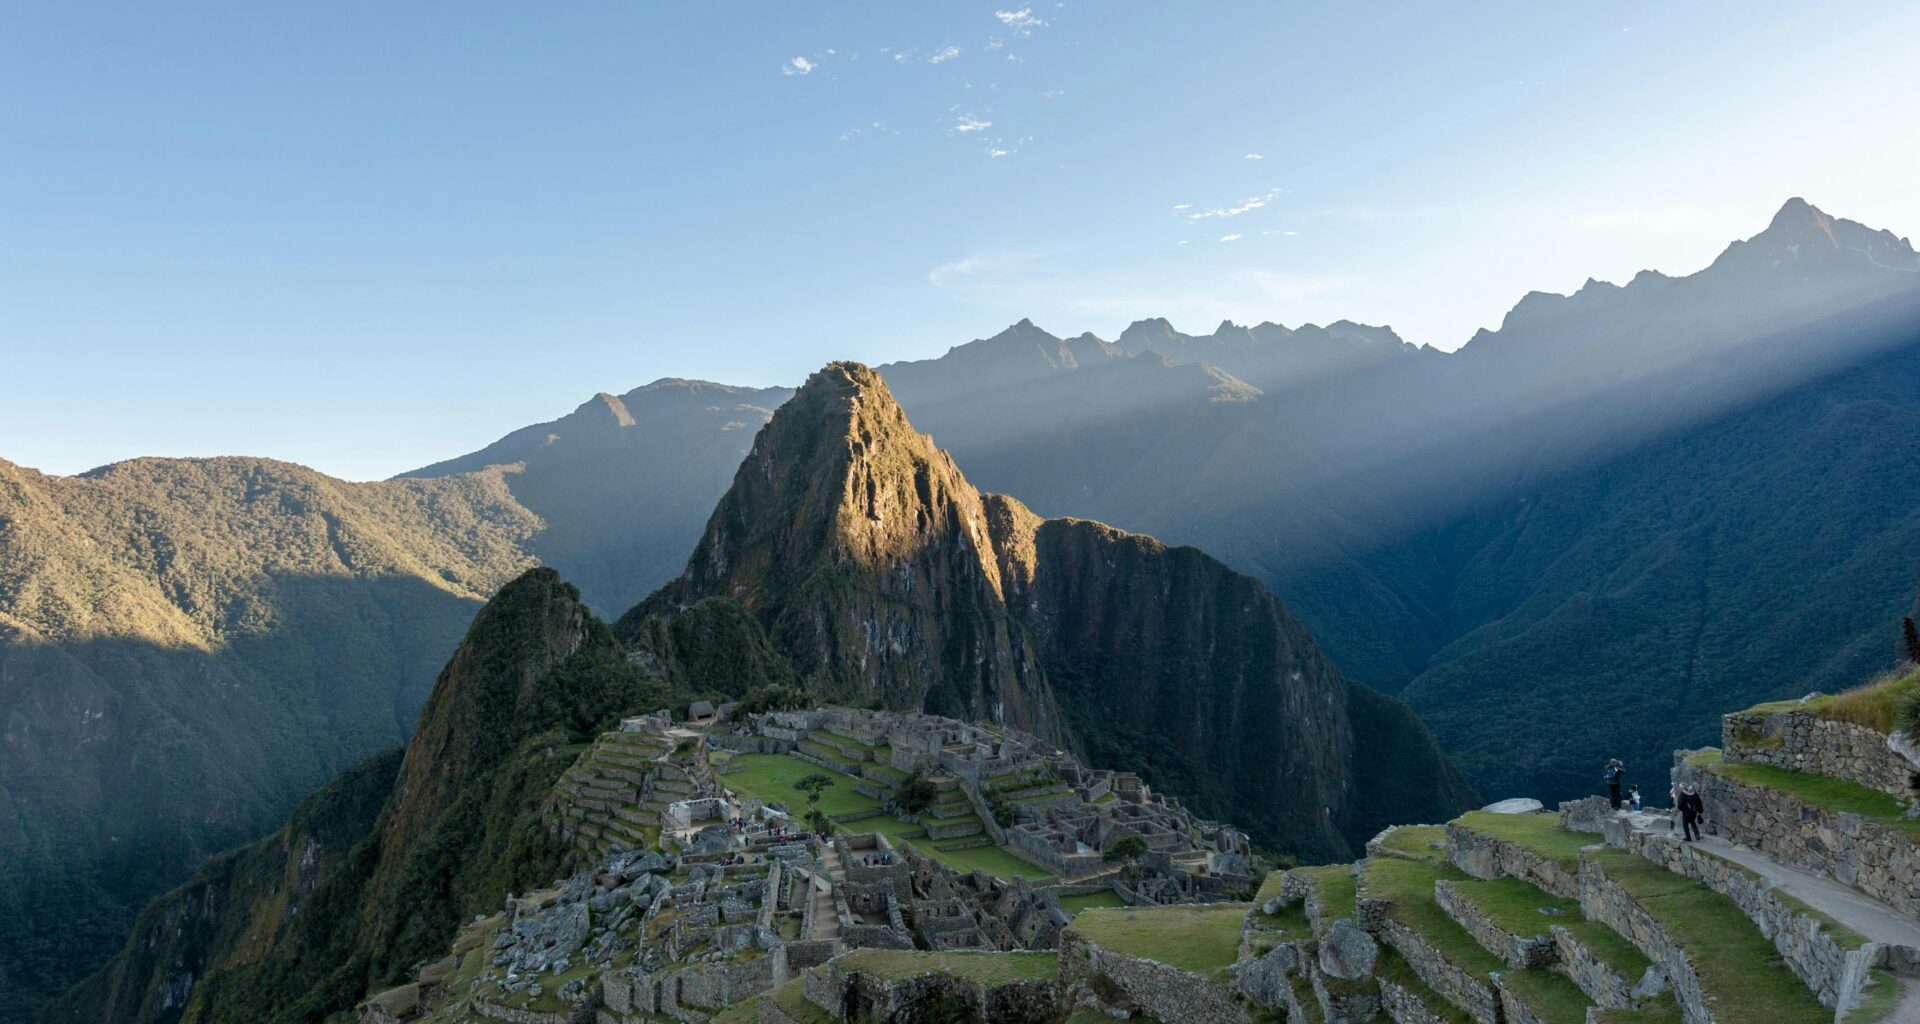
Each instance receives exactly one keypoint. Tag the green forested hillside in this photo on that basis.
(187, 647)
(1767, 553)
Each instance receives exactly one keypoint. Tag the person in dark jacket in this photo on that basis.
(1691, 811)
(1616, 770)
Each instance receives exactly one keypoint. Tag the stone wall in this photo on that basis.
(1808, 743)
(1512, 1010)
(1876, 860)
(1832, 971)
(1405, 1007)
(853, 995)
(1167, 993)
(1516, 950)
(1464, 990)
(1602, 984)
(1603, 901)
(1483, 856)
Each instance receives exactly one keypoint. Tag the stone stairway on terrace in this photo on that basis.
(612, 797)
(1519, 919)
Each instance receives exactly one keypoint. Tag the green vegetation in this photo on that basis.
(1408, 885)
(989, 859)
(1202, 938)
(1876, 704)
(1539, 832)
(1663, 1010)
(1392, 967)
(1517, 907)
(987, 968)
(1091, 901)
(1336, 886)
(772, 777)
(1421, 842)
(1825, 791)
(792, 998)
(1878, 1000)
(1553, 998)
(1738, 967)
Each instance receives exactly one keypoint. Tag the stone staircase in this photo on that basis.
(614, 794)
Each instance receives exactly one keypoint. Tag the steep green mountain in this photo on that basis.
(862, 554)
(186, 647)
(376, 872)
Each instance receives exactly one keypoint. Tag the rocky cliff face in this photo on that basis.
(865, 558)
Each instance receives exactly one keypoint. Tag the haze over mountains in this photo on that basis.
(1622, 511)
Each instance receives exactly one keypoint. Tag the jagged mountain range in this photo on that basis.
(1623, 505)
(860, 564)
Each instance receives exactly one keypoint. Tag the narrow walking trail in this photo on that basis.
(826, 924)
(1869, 917)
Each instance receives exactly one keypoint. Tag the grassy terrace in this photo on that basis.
(1524, 909)
(1658, 1011)
(1738, 968)
(793, 999)
(771, 777)
(1539, 832)
(1202, 938)
(1408, 885)
(986, 968)
(1875, 705)
(1337, 888)
(1104, 899)
(1837, 795)
(1420, 842)
(1392, 967)
(1554, 998)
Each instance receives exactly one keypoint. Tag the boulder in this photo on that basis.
(1515, 805)
(1348, 952)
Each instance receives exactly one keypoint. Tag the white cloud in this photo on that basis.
(1052, 94)
(1181, 242)
(943, 55)
(1021, 21)
(1255, 156)
(1244, 206)
(1230, 238)
(1183, 206)
(996, 151)
(970, 123)
(798, 66)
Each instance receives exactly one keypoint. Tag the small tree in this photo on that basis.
(1129, 849)
(915, 794)
(1911, 635)
(814, 785)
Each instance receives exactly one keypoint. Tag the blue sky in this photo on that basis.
(368, 236)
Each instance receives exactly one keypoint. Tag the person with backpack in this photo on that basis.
(1616, 769)
(1692, 810)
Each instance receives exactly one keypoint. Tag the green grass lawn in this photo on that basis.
(1091, 901)
(1837, 795)
(1337, 888)
(771, 777)
(987, 968)
(1516, 907)
(990, 859)
(1202, 938)
(793, 999)
(1738, 967)
(1422, 842)
(1656, 1011)
(1539, 832)
(1875, 704)
(1554, 998)
(1408, 885)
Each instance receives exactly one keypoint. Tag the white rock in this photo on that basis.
(1515, 805)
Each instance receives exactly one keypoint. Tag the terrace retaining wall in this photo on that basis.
(1806, 742)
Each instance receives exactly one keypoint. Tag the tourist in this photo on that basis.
(1691, 811)
(1615, 769)
(1633, 797)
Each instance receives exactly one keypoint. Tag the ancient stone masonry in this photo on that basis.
(1484, 856)
(1805, 742)
(1832, 970)
(1517, 950)
(1879, 861)
(1164, 992)
(1611, 905)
